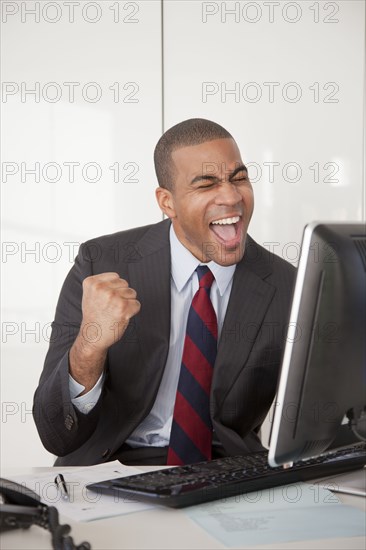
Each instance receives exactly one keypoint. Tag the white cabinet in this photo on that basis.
(88, 88)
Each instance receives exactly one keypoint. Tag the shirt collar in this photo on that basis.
(184, 265)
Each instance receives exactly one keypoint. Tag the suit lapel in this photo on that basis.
(150, 277)
(249, 300)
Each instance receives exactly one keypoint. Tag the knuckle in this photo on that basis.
(132, 293)
(120, 308)
(87, 281)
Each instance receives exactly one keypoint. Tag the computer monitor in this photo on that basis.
(323, 374)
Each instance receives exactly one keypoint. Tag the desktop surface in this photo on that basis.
(161, 527)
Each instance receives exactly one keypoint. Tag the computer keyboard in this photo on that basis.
(181, 486)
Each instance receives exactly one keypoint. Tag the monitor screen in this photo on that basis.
(323, 374)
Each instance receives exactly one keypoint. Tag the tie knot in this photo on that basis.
(205, 276)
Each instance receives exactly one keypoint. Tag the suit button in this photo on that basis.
(69, 422)
(106, 453)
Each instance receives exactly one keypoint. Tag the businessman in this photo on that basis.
(167, 338)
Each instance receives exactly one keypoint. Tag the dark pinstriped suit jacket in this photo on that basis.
(247, 363)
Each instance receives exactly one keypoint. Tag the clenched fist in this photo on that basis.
(108, 304)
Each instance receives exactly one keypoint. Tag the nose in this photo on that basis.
(228, 194)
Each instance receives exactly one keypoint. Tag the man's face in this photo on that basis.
(212, 201)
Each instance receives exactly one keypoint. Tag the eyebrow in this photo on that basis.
(241, 168)
(208, 177)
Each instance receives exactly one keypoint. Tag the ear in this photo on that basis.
(165, 201)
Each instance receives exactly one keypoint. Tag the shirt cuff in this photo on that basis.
(85, 403)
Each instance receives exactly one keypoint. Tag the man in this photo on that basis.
(109, 384)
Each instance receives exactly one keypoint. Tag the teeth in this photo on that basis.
(226, 221)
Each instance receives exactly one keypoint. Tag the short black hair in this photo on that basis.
(193, 131)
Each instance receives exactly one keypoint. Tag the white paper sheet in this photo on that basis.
(83, 504)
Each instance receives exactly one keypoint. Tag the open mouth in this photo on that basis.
(228, 230)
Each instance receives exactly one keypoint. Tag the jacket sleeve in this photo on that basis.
(61, 426)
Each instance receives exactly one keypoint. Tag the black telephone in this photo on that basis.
(20, 508)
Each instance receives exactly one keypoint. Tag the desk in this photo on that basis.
(158, 528)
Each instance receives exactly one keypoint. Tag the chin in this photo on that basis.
(229, 257)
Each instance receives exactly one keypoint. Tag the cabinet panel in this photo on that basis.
(286, 79)
(81, 113)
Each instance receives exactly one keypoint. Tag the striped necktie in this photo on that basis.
(191, 434)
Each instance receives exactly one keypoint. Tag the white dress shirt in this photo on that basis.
(155, 429)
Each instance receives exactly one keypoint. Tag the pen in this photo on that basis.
(61, 485)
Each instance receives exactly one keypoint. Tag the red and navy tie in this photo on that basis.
(191, 434)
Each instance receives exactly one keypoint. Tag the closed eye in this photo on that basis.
(239, 174)
(207, 186)
(238, 179)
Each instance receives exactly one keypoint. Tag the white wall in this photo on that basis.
(98, 129)
(296, 111)
(286, 78)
